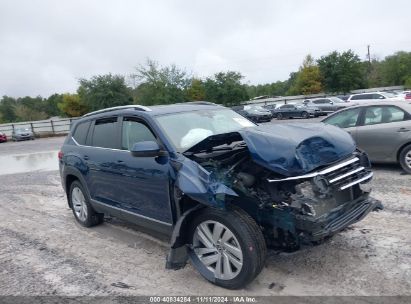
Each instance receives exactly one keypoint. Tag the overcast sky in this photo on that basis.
(46, 46)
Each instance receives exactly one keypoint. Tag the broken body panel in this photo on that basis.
(300, 182)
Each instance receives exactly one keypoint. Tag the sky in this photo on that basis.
(46, 46)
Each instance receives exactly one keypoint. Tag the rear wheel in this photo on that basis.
(304, 115)
(82, 210)
(228, 247)
(405, 159)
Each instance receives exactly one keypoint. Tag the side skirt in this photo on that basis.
(140, 220)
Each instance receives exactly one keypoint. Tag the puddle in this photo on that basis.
(21, 163)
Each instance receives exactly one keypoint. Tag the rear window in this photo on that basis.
(80, 133)
(105, 133)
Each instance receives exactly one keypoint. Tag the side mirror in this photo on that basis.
(331, 102)
(147, 149)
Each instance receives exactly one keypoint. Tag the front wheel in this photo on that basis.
(228, 247)
(405, 159)
(279, 116)
(304, 115)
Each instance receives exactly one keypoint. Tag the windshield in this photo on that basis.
(189, 128)
(22, 130)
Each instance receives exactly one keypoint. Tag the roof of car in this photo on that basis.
(405, 105)
(159, 109)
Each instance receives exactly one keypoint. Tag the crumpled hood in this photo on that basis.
(290, 149)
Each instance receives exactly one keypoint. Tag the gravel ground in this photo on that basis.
(44, 252)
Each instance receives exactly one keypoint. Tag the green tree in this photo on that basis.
(51, 104)
(395, 69)
(104, 91)
(27, 113)
(308, 80)
(341, 72)
(196, 90)
(8, 109)
(160, 84)
(72, 106)
(225, 88)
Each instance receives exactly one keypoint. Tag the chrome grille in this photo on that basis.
(346, 174)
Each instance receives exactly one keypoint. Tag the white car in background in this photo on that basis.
(356, 99)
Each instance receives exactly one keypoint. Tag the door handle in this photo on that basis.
(120, 161)
(403, 130)
(85, 157)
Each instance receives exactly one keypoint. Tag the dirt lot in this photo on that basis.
(44, 252)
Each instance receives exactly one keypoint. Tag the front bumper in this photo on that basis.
(312, 229)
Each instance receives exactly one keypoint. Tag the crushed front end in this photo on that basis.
(300, 188)
(321, 203)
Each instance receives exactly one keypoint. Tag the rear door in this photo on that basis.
(101, 156)
(383, 130)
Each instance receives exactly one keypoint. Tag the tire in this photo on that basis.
(279, 116)
(405, 159)
(241, 255)
(82, 210)
(304, 115)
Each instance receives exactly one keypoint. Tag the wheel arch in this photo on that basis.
(71, 175)
(400, 150)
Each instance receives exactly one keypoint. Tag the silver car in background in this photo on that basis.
(22, 134)
(381, 129)
(327, 104)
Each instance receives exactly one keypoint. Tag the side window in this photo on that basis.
(80, 133)
(105, 133)
(373, 115)
(392, 114)
(318, 101)
(356, 97)
(345, 119)
(134, 131)
(377, 96)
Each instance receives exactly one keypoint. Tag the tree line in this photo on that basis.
(153, 84)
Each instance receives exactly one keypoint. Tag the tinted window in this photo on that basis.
(105, 133)
(344, 119)
(80, 133)
(286, 106)
(362, 96)
(377, 96)
(133, 132)
(319, 101)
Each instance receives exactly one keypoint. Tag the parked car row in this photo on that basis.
(18, 135)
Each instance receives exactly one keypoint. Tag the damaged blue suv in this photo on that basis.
(222, 188)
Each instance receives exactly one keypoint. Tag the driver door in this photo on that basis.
(144, 180)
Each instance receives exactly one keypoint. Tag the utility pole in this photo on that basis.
(368, 54)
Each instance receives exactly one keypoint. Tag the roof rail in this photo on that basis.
(135, 107)
(200, 102)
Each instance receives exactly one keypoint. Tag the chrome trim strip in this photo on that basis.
(325, 171)
(357, 181)
(346, 174)
(132, 213)
(338, 166)
(77, 144)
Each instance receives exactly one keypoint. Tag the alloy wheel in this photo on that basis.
(79, 204)
(218, 249)
(408, 159)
